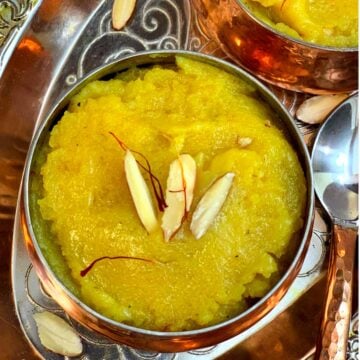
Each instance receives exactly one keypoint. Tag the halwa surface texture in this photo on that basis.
(324, 22)
(162, 112)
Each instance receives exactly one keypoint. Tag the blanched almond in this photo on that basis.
(121, 12)
(140, 193)
(175, 199)
(189, 173)
(179, 194)
(210, 205)
(57, 335)
(315, 109)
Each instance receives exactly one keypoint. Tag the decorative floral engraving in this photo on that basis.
(316, 255)
(12, 15)
(96, 346)
(157, 24)
(353, 343)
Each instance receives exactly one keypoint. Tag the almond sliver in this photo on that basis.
(179, 194)
(121, 12)
(175, 199)
(189, 173)
(315, 109)
(57, 335)
(210, 205)
(140, 193)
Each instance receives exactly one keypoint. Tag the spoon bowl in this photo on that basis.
(335, 167)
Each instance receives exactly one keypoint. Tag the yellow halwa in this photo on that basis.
(323, 22)
(162, 112)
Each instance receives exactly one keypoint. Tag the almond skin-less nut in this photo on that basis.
(315, 109)
(121, 12)
(140, 193)
(179, 194)
(210, 205)
(57, 335)
(189, 173)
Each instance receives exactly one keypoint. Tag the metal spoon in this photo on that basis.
(335, 166)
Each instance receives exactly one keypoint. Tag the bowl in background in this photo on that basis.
(276, 57)
(164, 341)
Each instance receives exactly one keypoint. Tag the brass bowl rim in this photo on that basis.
(108, 69)
(292, 39)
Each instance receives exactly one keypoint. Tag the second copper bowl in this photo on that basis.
(274, 57)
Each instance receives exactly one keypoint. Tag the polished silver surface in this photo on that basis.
(67, 35)
(335, 162)
(15, 15)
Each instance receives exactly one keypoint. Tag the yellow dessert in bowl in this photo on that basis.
(326, 23)
(91, 232)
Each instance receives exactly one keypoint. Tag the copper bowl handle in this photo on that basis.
(332, 341)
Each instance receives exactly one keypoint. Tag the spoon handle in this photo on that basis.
(334, 332)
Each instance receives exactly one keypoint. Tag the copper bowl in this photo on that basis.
(275, 57)
(147, 339)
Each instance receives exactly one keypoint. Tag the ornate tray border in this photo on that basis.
(14, 17)
(168, 24)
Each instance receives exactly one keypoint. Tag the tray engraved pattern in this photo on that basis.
(156, 24)
(13, 16)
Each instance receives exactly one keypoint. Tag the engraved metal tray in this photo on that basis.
(66, 40)
(14, 17)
